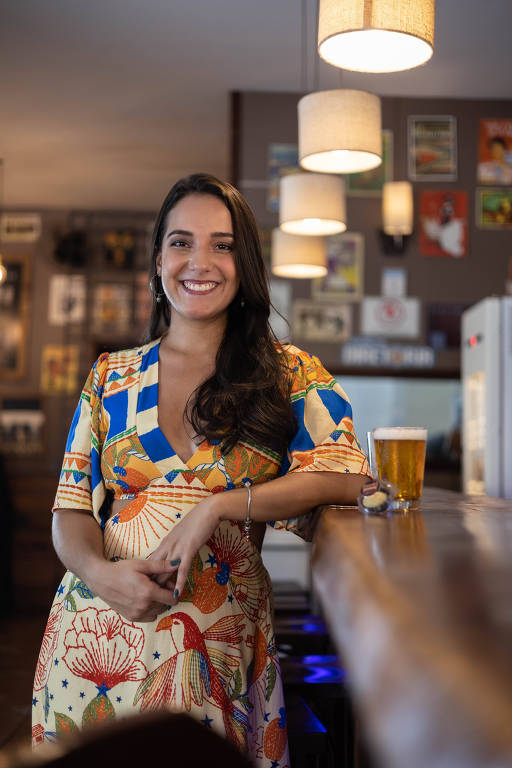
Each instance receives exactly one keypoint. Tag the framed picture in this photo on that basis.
(344, 278)
(370, 183)
(111, 308)
(494, 152)
(21, 424)
(59, 369)
(443, 223)
(20, 227)
(313, 321)
(66, 301)
(432, 147)
(13, 317)
(494, 208)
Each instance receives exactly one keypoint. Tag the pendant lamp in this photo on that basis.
(297, 256)
(376, 35)
(312, 204)
(340, 131)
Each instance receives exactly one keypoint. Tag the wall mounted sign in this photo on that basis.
(495, 152)
(390, 316)
(20, 227)
(432, 147)
(443, 223)
(376, 353)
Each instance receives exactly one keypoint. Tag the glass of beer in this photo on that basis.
(400, 458)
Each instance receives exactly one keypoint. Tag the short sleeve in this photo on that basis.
(81, 483)
(325, 440)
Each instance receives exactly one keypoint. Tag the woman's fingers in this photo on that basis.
(181, 576)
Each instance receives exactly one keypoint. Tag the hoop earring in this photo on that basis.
(242, 303)
(154, 288)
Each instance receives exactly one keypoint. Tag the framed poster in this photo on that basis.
(315, 321)
(432, 147)
(494, 208)
(13, 317)
(59, 369)
(443, 223)
(111, 309)
(66, 301)
(390, 316)
(370, 183)
(494, 152)
(344, 278)
(21, 424)
(20, 227)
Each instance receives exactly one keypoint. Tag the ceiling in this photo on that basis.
(105, 103)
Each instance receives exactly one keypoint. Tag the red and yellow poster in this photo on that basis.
(495, 151)
(444, 223)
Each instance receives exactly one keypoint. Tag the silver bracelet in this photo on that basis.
(248, 521)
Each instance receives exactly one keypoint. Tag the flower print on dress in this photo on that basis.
(48, 646)
(104, 648)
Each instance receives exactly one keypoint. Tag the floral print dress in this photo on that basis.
(213, 655)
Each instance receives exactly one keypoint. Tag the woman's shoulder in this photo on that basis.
(304, 367)
(132, 356)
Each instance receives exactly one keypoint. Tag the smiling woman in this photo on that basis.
(179, 452)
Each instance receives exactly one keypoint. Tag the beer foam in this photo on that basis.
(400, 433)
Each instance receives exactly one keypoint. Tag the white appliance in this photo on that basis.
(487, 397)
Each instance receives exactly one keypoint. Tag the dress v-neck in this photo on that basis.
(155, 443)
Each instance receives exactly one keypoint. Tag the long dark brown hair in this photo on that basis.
(247, 397)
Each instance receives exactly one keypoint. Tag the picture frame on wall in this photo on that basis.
(494, 207)
(14, 317)
(443, 229)
(370, 183)
(315, 321)
(22, 422)
(432, 147)
(344, 278)
(282, 160)
(494, 151)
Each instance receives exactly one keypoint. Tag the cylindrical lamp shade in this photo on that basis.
(297, 256)
(376, 35)
(312, 204)
(397, 208)
(340, 131)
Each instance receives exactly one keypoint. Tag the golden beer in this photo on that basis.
(400, 458)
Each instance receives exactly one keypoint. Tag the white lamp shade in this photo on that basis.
(397, 208)
(312, 204)
(297, 256)
(376, 35)
(340, 131)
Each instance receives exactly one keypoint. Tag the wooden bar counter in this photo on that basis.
(420, 609)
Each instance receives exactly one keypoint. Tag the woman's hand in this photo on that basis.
(130, 588)
(185, 540)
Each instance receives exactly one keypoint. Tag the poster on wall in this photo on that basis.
(344, 278)
(119, 248)
(313, 321)
(494, 208)
(494, 152)
(111, 309)
(13, 318)
(432, 147)
(370, 183)
(59, 369)
(282, 159)
(21, 425)
(443, 227)
(443, 324)
(393, 281)
(20, 227)
(390, 316)
(66, 300)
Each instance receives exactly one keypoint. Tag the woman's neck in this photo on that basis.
(200, 340)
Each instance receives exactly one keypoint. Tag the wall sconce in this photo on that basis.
(312, 204)
(340, 131)
(397, 216)
(376, 35)
(297, 256)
